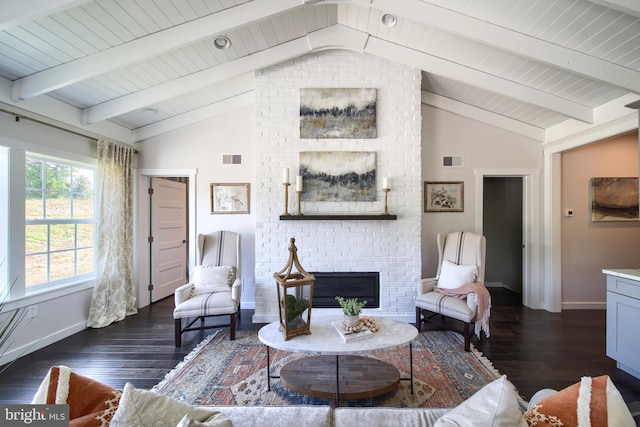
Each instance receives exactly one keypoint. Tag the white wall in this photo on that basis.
(389, 247)
(200, 147)
(483, 147)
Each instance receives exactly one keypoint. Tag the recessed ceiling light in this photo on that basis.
(221, 43)
(388, 20)
(150, 112)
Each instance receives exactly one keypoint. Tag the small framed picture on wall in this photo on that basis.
(230, 198)
(444, 196)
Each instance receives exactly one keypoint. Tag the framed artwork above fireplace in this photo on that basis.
(337, 113)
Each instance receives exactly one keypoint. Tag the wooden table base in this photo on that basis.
(340, 377)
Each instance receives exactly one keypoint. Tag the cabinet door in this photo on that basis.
(623, 329)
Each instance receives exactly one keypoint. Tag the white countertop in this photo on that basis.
(324, 339)
(627, 273)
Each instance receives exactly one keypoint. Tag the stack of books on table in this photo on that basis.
(349, 336)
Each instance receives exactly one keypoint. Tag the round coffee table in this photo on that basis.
(337, 368)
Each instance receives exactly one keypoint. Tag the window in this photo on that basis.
(60, 221)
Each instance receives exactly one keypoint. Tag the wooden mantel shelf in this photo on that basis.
(362, 217)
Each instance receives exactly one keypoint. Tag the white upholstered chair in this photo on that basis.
(461, 258)
(215, 286)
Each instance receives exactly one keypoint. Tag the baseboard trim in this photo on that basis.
(23, 350)
(584, 305)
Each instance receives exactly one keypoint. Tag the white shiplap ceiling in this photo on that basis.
(133, 69)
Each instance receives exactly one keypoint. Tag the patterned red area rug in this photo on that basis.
(223, 372)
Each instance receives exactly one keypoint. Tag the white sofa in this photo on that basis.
(496, 404)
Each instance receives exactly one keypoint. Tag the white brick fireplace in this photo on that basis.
(391, 248)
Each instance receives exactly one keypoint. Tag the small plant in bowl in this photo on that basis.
(351, 306)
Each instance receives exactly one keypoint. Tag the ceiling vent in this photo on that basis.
(452, 161)
(232, 159)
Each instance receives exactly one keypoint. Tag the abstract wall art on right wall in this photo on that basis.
(614, 199)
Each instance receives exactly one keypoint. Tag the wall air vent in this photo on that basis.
(452, 161)
(232, 159)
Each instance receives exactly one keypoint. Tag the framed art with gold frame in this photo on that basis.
(230, 198)
(444, 196)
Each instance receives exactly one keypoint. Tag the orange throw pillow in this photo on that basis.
(91, 403)
(592, 402)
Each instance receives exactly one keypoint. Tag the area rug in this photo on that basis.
(223, 372)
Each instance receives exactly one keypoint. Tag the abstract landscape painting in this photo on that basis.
(614, 199)
(337, 113)
(338, 176)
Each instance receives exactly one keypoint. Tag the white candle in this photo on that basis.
(385, 183)
(298, 183)
(285, 176)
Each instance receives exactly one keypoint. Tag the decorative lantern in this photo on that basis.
(295, 293)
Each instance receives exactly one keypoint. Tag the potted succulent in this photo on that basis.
(351, 308)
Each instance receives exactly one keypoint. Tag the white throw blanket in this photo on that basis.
(482, 299)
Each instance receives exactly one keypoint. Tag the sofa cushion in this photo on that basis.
(494, 405)
(453, 276)
(592, 401)
(277, 416)
(140, 408)
(383, 417)
(209, 278)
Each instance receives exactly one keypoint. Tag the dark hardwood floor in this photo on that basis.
(535, 348)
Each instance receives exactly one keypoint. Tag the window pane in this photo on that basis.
(58, 205)
(35, 239)
(84, 261)
(33, 174)
(35, 269)
(86, 235)
(62, 237)
(33, 205)
(58, 177)
(62, 265)
(83, 194)
(83, 207)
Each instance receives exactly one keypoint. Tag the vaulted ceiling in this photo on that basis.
(134, 69)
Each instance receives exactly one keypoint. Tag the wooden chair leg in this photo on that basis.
(467, 338)
(178, 327)
(232, 327)
(418, 320)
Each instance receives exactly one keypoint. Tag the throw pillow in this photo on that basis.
(209, 278)
(453, 276)
(141, 408)
(591, 402)
(495, 405)
(91, 403)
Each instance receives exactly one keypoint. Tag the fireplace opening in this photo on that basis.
(361, 285)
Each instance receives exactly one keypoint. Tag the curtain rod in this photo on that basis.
(22, 116)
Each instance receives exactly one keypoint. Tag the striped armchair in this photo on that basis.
(464, 256)
(205, 295)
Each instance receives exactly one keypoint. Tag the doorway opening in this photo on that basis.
(503, 228)
(168, 225)
(143, 224)
(529, 229)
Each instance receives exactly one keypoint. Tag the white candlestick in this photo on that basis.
(385, 183)
(285, 176)
(298, 183)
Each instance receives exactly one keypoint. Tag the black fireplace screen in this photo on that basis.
(361, 285)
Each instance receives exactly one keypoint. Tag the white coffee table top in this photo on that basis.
(324, 339)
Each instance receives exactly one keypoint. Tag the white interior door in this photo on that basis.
(168, 237)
